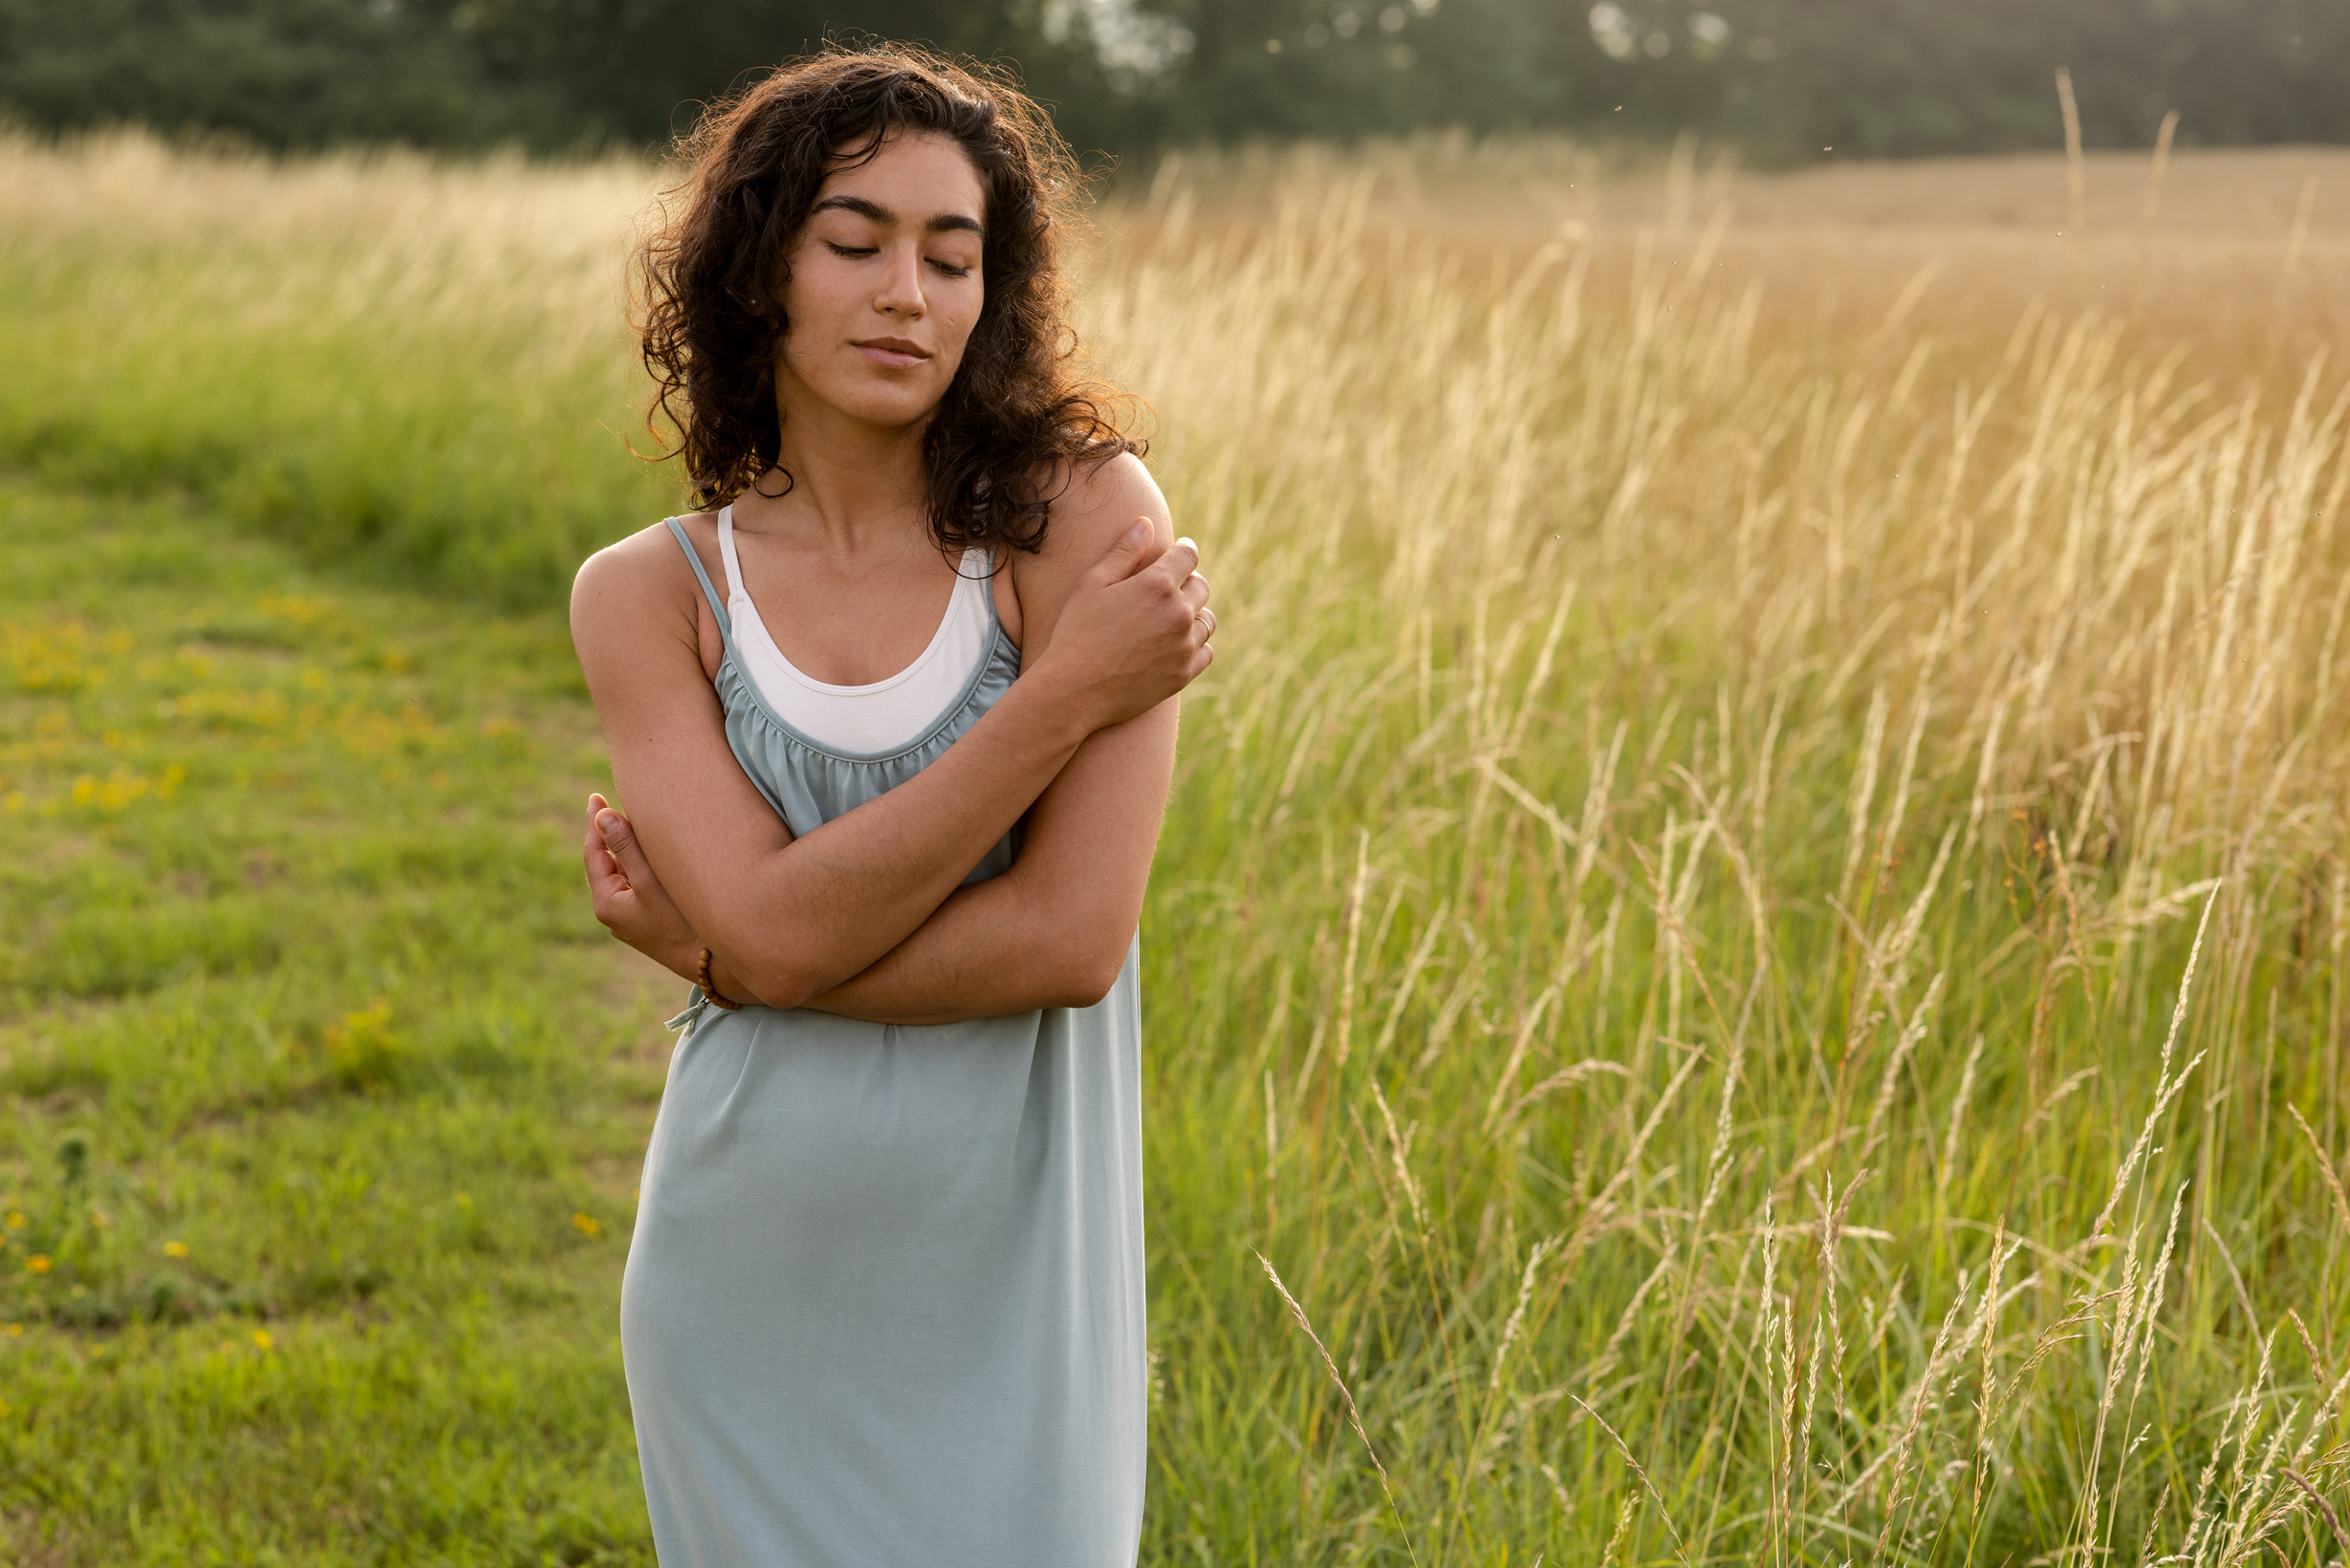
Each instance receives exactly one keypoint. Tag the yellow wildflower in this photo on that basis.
(586, 1224)
(38, 1263)
(261, 1338)
(175, 1249)
(16, 1219)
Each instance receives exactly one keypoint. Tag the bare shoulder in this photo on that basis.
(636, 587)
(1093, 504)
(1097, 502)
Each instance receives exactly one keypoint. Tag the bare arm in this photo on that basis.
(792, 919)
(1054, 930)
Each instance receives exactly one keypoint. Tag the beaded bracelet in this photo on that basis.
(701, 978)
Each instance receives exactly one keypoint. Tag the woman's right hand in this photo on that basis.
(1135, 631)
(629, 901)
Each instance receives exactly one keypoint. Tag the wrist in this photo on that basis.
(1054, 705)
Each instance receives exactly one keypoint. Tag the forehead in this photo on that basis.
(917, 175)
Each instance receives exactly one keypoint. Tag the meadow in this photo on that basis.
(1745, 965)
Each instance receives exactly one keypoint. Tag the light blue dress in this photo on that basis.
(884, 1302)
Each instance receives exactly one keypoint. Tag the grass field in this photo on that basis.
(324, 1099)
(1747, 964)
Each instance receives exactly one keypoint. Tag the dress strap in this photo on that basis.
(693, 559)
(726, 551)
(984, 581)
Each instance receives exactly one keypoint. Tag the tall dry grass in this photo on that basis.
(1773, 886)
(1747, 963)
(413, 363)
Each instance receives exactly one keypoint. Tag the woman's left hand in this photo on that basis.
(629, 899)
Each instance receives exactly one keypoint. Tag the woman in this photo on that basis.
(884, 1301)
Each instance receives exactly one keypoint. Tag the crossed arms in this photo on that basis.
(865, 917)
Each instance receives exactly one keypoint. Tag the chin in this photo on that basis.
(890, 406)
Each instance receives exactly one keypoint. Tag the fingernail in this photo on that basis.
(1186, 540)
(609, 823)
(1139, 532)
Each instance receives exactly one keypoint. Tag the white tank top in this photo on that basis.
(865, 720)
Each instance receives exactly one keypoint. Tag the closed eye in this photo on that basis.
(852, 251)
(950, 269)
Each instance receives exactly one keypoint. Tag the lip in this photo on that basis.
(895, 353)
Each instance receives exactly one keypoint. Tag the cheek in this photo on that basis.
(800, 303)
(812, 314)
(963, 312)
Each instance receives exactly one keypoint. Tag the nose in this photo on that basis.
(901, 291)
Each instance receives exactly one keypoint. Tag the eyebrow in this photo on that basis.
(944, 223)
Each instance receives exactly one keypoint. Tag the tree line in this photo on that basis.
(1788, 79)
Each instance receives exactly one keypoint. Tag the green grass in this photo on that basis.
(300, 980)
(450, 402)
(324, 1092)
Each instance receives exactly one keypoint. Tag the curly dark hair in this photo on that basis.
(1016, 419)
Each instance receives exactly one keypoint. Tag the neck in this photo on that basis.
(853, 484)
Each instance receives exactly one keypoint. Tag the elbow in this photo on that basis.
(1087, 970)
(787, 975)
(1077, 993)
(782, 986)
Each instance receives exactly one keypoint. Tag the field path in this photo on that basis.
(326, 1095)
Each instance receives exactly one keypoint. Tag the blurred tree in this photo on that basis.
(280, 72)
(1785, 78)
(636, 71)
(1895, 78)
(552, 74)
(1311, 67)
